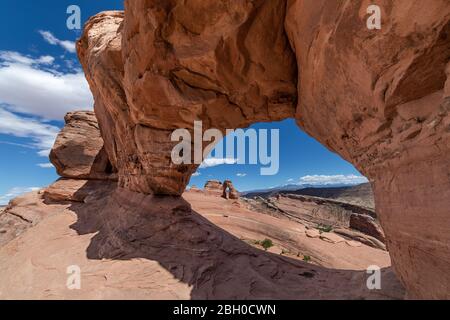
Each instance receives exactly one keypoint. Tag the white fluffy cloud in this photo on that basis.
(241, 175)
(213, 162)
(196, 174)
(29, 85)
(333, 179)
(15, 192)
(42, 135)
(11, 57)
(46, 165)
(51, 39)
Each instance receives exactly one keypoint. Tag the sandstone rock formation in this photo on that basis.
(229, 192)
(379, 98)
(78, 151)
(166, 75)
(360, 195)
(214, 186)
(366, 224)
(322, 214)
(130, 245)
(225, 189)
(73, 190)
(21, 214)
(194, 188)
(135, 246)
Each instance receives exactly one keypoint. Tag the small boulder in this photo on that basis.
(78, 152)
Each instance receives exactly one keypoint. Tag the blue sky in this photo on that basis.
(41, 80)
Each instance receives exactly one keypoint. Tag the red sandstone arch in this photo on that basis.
(379, 98)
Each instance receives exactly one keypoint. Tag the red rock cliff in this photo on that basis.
(379, 98)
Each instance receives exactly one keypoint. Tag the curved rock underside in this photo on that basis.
(379, 98)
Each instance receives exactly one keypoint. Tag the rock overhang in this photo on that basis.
(378, 98)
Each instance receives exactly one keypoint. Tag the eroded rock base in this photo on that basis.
(134, 246)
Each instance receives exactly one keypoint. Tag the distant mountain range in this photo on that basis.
(361, 194)
(294, 187)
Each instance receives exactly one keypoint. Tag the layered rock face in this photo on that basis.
(213, 186)
(379, 98)
(367, 225)
(78, 152)
(80, 159)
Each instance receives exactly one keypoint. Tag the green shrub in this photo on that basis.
(324, 228)
(306, 258)
(266, 244)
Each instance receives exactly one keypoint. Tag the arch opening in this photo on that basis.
(329, 201)
(368, 105)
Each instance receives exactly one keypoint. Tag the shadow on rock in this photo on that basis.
(213, 262)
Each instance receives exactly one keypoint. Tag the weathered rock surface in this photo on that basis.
(229, 192)
(312, 233)
(213, 186)
(194, 188)
(73, 190)
(316, 212)
(174, 68)
(353, 243)
(130, 245)
(319, 210)
(331, 237)
(379, 98)
(359, 195)
(360, 237)
(367, 225)
(23, 213)
(78, 151)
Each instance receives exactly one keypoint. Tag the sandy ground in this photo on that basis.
(128, 246)
(287, 235)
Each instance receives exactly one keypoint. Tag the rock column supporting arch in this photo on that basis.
(379, 98)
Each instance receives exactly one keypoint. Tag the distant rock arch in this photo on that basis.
(229, 192)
